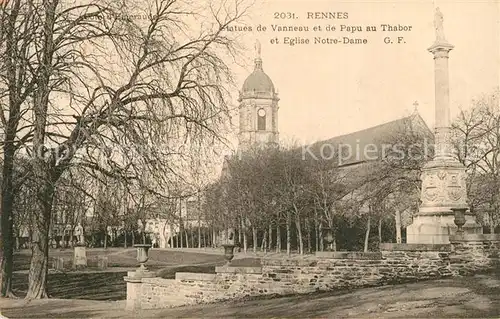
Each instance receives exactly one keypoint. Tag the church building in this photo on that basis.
(258, 126)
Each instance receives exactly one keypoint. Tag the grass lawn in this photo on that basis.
(120, 257)
(93, 284)
(78, 285)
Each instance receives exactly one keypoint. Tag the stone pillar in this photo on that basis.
(134, 288)
(133, 291)
(474, 253)
(444, 177)
(442, 100)
(80, 256)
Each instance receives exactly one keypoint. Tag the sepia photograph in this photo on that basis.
(250, 159)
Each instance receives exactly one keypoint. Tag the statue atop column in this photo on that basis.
(257, 48)
(438, 25)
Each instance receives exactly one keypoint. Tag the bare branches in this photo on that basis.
(477, 141)
(98, 89)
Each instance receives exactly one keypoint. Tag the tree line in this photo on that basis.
(276, 199)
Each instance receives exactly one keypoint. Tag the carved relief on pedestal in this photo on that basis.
(443, 187)
(430, 186)
(457, 186)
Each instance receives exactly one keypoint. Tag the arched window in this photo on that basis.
(261, 120)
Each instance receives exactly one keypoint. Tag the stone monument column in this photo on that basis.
(444, 177)
(80, 254)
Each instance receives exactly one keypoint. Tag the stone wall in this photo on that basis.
(474, 253)
(325, 271)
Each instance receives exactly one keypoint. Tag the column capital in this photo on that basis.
(440, 49)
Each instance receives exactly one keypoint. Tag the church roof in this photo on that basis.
(356, 147)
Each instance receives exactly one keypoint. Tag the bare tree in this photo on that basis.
(104, 78)
(16, 86)
(477, 140)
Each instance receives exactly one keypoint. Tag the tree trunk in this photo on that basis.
(7, 253)
(105, 238)
(254, 238)
(125, 239)
(245, 239)
(181, 234)
(192, 236)
(37, 277)
(263, 244)
(270, 240)
(299, 233)
(187, 237)
(492, 223)
(7, 204)
(321, 242)
(214, 238)
(309, 236)
(171, 235)
(204, 237)
(278, 237)
(43, 163)
(367, 234)
(316, 230)
(199, 220)
(199, 232)
(380, 230)
(12, 73)
(133, 238)
(239, 236)
(288, 233)
(398, 226)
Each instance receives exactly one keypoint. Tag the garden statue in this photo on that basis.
(79, 233)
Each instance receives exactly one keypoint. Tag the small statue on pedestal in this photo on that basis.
(79, 233)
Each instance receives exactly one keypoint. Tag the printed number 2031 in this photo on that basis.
(284, 15)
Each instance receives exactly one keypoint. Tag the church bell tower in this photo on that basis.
(258, 109)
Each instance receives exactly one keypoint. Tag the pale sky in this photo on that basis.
(328, 90)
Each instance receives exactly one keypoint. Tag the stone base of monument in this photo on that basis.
(80, 257)
(437, 229)
(133, 280)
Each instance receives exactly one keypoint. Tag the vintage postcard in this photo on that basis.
(250, 159)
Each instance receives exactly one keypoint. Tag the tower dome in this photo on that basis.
(258, 81)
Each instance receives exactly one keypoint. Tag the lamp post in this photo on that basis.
(459, 218)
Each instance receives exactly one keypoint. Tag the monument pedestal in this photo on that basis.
(443, 188)
(80, 257)
(437, 229)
